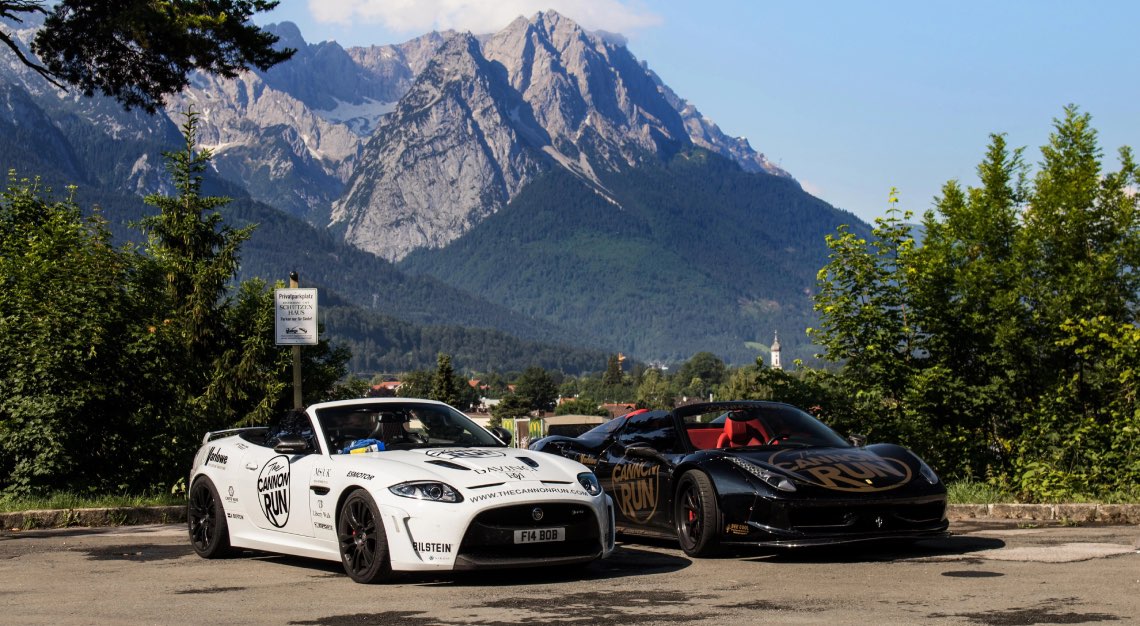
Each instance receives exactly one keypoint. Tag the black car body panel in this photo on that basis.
(780, 477)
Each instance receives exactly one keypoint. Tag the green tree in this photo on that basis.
(65, 341)
(580, 406)
(613, 375)
(416, 384)
(451, 388)
(139, 51)
(511, 406)
(655, 391)
(538, 388)
(700, 374)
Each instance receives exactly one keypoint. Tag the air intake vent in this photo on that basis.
(448, 465)
(529, 461)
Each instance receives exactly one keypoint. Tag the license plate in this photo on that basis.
(540, 535)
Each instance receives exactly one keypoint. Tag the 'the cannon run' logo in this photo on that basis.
(273, 491)
(844, 471)
(635, 489)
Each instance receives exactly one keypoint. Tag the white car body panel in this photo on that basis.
(289, 503)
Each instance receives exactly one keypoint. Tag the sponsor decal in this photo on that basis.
(273, 491)
(234, 515)
(241, 446)
(322, 472)
(215, 458)
(230, 497)
(360, 475)
(428, 547)
(635, 488)
(517, 472)
(464, 453)
(588, 460)
(322, 526)
(856, 471)
(736, 529)
(529, 491)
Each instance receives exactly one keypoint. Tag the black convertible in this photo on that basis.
(755, 473)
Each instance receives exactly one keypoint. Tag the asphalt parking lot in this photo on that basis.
(988, 572)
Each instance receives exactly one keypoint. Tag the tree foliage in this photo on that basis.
(140, 51)
(118, 359)
(1000, 347)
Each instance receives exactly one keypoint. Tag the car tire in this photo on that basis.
(206, 521)
(697, 515)
(363, 543)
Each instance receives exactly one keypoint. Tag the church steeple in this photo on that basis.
(776, 365)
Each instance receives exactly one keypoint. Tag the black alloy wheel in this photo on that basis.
(207, 521)
(697, 515)
(363, 543)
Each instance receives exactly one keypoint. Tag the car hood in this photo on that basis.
(467, 467)
(851, 470)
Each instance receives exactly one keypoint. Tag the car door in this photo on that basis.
(638, 467)
(274, 486)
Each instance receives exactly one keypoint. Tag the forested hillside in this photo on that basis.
(698, 255)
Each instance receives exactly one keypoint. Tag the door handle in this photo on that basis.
(250, 465)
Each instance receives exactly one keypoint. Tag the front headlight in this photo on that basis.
(772, 479)
(427, 490)
(590, 483)
(926, 472)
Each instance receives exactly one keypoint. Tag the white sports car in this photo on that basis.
(393, 484)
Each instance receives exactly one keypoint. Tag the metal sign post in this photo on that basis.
(296, 325)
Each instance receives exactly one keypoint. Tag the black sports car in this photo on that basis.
(755, 473)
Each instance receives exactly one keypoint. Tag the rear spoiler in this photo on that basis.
(215, 434)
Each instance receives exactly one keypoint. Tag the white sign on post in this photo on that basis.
(296, 316)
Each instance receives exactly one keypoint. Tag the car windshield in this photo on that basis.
(603, 430)
(400, 426)
(758, 425)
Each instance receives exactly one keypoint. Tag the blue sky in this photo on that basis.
(852, 98)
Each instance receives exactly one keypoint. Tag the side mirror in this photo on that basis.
(292, 444)
(644, 451)
(503, 434)
(857, 440)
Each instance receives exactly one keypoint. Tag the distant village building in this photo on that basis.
(776, 353)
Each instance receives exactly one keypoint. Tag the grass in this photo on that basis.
(70, 500)
(973, 492)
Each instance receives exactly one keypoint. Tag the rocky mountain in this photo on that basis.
(487, 116)
(543, 167)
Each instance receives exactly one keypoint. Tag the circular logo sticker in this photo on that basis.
(857, 471)
(273, 490)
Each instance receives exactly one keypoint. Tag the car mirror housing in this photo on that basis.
(292, 444)
(857, 440)
(503, 434)
(645, 452)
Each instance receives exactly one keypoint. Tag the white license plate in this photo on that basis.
(540, 535)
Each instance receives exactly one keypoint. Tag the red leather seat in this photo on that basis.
(740, 433)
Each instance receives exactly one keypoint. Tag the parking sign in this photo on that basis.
(296, 316)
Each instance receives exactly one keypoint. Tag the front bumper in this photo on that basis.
(438, 536)
(792, 523)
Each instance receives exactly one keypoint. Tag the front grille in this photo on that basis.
(491, 536)
(868, 518)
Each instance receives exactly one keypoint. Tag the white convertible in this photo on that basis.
(393, 484)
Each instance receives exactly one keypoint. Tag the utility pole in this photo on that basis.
(298, 397)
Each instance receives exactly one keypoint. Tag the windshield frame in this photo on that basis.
(341, 424)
